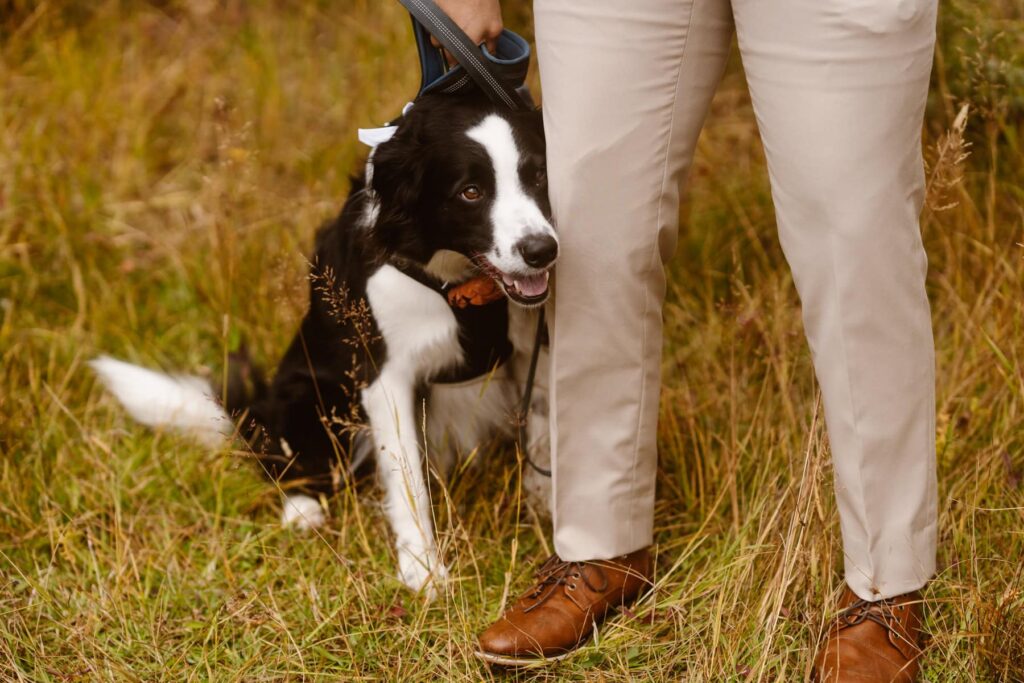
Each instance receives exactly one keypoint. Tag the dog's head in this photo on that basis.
(464, 184)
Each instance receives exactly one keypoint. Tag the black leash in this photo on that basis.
(502, 77)
(524, 405)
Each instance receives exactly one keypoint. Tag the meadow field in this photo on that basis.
(163, 167)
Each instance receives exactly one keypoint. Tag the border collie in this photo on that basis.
(409, 307)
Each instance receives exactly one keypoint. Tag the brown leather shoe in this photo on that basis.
(562, 609)
(872, 642)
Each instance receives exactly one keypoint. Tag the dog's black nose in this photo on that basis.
(539, 251)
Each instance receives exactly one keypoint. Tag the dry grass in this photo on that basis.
(162, 169)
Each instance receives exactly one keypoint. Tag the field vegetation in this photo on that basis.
(163, 167)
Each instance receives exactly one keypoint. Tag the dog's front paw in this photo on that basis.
(302, 512)
(422, 572)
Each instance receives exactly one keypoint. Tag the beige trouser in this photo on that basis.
(838, 88)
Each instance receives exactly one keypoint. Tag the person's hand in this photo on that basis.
(480, 19)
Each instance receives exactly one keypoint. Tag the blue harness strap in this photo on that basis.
(501, 75)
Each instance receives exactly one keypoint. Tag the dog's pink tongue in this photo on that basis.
(535, 285)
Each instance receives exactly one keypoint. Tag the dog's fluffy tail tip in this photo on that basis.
(178, 402)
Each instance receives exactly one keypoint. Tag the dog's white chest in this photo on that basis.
(418, 326)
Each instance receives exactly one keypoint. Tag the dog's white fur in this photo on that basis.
(302, 512)
(181, 403)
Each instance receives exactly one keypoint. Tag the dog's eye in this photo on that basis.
(540, 176)
(471, 193)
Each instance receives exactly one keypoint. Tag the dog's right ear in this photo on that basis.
(399, 169)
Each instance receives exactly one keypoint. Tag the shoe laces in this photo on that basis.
(557, 572)
(881, 612)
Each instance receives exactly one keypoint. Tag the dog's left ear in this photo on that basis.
(534, 122)
(399, 169)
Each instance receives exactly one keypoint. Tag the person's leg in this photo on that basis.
(839, 89)
(626, 86)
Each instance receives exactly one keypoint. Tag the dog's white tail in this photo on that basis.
(180, 403)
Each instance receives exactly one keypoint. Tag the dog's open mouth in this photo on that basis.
(524, 289)
(528, 289)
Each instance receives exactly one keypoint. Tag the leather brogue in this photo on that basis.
(872, 642)
(561, 610)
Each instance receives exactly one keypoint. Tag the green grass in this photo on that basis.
(162, 170)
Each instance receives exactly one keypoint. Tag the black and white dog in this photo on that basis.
(409, 307)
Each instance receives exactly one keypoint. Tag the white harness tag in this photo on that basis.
(371, 137)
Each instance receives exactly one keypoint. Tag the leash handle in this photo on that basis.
(489, 72)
